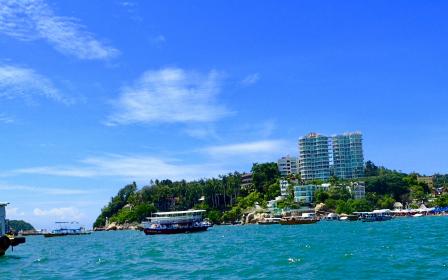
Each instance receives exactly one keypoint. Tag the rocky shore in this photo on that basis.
(116, 226)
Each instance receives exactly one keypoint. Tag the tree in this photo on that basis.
(418, 193)
(343, 207)
(361, 205)
(264, 175)
(18, 225)
(386, 202)
(321, 196)
(442, 200)
(371, 169)
(339, 193)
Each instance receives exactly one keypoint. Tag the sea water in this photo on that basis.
(403, 248)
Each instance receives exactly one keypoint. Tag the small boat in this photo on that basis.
(346, 217)
(269, 221)
(331, 217)
(375, 216)
(176, 222)
(306, 218)
(65, 229)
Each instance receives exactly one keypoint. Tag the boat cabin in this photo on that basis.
(177, 216)
(375, 215)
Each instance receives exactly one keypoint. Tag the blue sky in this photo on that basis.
(97, 94)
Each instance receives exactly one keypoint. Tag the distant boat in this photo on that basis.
(375, 215)
(65, 229)
(306, 218)
(176, 222)
(269, 221)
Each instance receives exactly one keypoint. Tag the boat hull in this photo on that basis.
(298, 222)
(154, 231)
(49, 235)
(376, 219)
(7, 241)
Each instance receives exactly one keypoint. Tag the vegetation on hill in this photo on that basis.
(18, 225)
(225, 200)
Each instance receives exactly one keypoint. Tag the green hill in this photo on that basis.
(18, 225)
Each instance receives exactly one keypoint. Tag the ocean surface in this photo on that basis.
(403, 248)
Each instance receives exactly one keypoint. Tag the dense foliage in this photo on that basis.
(18, 225)
(226, 201)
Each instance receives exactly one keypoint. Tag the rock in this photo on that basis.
(250, 217)
(321, 207)
(112, 226)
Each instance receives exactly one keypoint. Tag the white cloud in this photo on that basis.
(13, 213)
(19, 82)
(251, 79)
(33, 19)
(170, 95)
(202, 132)
(158, 40)
(130, 168)
(6, 119)
(42, 190)
(257, 148)
(71, 213)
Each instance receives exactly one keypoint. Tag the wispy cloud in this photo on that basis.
(43, 190)
(33, 19)
(14, 213)
(132, 9)
(170, 95)
(202, 132)
(251, 79)
(6, 119)
(129, 168)
(158, 40)
(71, 213)
(258, 148)
(19, 82)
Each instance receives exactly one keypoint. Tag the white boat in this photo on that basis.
(176, 222)
(375, 215)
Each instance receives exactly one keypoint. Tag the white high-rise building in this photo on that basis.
(321, 156)
(314, 157)
(348, 157)
(287, 166)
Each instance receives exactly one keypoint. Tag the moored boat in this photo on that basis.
(306, 218)
(297, 221)
(65, 229)
(269, 221)
(176, 222)
(375, 215)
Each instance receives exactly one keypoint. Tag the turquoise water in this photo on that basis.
(406, 248)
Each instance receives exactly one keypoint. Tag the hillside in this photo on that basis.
(225, 200)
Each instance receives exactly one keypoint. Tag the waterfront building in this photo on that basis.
(246, 181)
(314, 157)
(305, 193)
(357, 190)
(347, 156)
(284, 187)
(287, 166)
